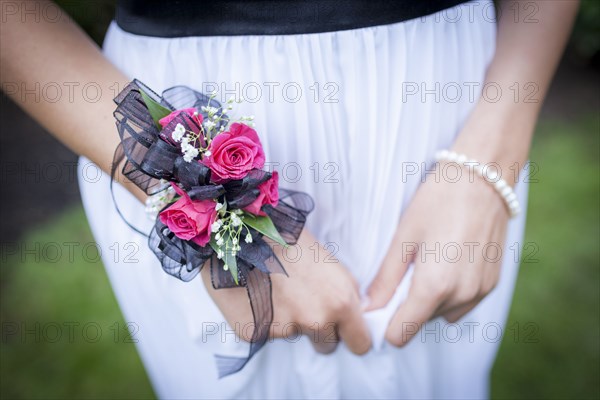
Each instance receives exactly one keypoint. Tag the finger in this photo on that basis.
(325, 339)
(418, 308)
(325, 348)
(353, 331)
(394, 266)
(453, 313)
(454, 309)
(466, 295)
(457, 313)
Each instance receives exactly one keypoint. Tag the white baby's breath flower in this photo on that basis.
(178, 132)
(207, 153)
(234, 241)
(248, 238)
(225, 267)
(190, 153)
(220, 242)
(216, 225)
(220, 254)
(218, 206)
(208, 125)
(210, 110)
(235, 220)
(176, 135)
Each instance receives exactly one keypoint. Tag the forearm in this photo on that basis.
(45, 53)
(526, 57)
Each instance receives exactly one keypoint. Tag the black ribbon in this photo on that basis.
(148, 155)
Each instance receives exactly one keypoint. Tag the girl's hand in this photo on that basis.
(451, 231)
(318, 299)
(469, 214)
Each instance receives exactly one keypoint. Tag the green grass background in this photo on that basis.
(559, 294)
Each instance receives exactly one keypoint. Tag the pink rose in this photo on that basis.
(269, 194)
(189, 219)
(234, 153)
(189, 111)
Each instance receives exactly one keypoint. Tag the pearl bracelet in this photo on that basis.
(491, 176)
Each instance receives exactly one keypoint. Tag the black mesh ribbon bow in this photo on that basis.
(150, 159)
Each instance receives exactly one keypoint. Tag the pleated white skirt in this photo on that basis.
(347, 117)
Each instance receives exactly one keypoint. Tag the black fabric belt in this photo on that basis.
(180, 18)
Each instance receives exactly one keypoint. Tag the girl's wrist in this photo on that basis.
(483, 173)
(499, 137)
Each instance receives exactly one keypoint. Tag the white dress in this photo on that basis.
(347, 116)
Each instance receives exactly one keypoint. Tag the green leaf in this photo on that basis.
(265, 226)
(156, 110)
(228, 258)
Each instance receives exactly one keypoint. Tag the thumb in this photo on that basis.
(400, 254)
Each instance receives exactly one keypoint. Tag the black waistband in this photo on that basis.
(178, 18)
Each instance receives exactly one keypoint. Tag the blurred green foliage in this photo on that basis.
(93, 16)
(63, 335)
(585, 39)
(559, 293)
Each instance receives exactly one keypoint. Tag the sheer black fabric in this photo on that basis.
(149, 158)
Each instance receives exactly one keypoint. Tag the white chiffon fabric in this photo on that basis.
(353, 155)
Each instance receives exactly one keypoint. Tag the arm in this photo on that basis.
(59, 51)
(472, 211)
(45, 52)
(526, 52)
